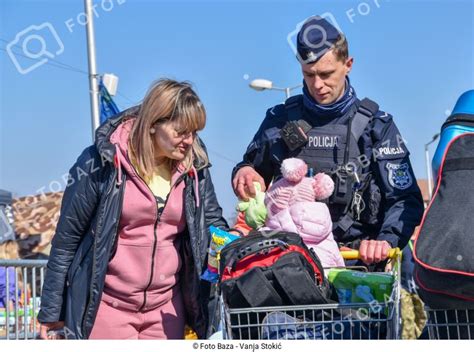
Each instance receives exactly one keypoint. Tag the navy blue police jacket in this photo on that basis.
(393, 205)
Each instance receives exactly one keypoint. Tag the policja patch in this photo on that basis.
(323, 141)
(399, 175)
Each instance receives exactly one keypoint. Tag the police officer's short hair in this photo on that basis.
(341, 48)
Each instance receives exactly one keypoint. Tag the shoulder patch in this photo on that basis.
(386, 151)
(399, 176)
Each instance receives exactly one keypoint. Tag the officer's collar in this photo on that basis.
(334, 110)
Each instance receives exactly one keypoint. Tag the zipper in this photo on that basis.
(236, 244)
(159, 212)
(248, 238)
(155, 240)
(252, 237)
(155, 236)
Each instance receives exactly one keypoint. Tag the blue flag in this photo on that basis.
(108, 107)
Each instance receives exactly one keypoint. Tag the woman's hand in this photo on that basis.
(47, 327)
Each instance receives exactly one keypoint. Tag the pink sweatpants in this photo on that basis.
(164, 322)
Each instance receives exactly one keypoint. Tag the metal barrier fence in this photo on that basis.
(18, 316)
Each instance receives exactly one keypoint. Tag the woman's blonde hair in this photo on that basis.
(167, 100)
(9, 250)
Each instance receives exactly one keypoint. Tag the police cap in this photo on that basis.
(316, 37)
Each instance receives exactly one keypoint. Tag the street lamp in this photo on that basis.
(264, 84)
(428, 165)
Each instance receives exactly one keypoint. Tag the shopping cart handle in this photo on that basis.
(354, 254)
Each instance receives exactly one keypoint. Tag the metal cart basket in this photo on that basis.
(372, 320)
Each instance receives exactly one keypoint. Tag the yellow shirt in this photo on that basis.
(159, 183)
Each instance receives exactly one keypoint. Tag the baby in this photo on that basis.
(292, 206)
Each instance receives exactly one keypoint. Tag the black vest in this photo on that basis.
(334, 149)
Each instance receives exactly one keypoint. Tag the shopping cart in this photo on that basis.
(372, 320)
(450, 324)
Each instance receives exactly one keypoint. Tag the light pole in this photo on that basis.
(93, 77)
(428, 165)
(265, 84)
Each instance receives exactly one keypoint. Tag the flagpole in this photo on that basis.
(93, 77)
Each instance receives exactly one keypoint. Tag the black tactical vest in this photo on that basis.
(334, 149)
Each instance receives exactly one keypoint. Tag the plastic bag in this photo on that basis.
(360, 287)
(219, 238)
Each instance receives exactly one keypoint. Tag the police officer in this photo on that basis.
(377, 203)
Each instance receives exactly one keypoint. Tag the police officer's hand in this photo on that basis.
(371, 251)
(243, 183)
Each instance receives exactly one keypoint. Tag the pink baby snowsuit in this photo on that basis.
(292, 206)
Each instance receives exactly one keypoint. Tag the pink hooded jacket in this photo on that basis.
(144, 272)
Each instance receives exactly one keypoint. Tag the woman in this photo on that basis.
(132, 239)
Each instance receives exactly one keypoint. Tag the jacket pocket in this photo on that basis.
(373, 200)
(83, 250)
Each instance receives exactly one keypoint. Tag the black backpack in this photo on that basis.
(444, 258)
(277, 270)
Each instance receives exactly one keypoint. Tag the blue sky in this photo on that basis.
(415, 58)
